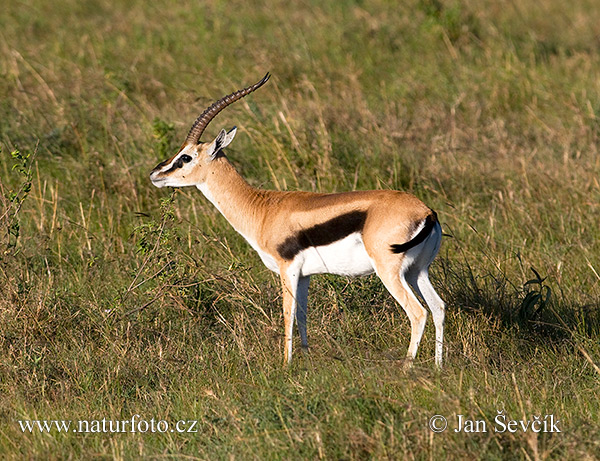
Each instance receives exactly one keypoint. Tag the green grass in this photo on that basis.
(120, 299)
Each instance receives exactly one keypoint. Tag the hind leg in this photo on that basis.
(393, 277)
(418, 278)
(420, 282)
(438, 312)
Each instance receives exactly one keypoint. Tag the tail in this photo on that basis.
(429, 223)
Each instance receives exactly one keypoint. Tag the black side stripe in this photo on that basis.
(322, 234)
(419, 238)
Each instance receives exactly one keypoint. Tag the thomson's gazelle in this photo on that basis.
(299, 234)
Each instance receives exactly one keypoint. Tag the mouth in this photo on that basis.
(156, 180)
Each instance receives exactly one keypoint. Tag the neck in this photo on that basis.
(232, 196)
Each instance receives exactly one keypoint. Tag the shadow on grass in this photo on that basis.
(536, 310)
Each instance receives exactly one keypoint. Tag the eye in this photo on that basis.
(185, 158)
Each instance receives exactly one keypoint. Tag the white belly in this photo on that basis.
(344, 257)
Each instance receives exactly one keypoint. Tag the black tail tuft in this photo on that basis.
(430, 222)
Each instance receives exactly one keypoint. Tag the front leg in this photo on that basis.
(289, 286)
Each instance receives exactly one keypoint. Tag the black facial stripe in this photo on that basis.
(322, 234)
(178, 164)
(161, 164)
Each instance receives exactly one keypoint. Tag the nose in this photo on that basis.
(155, 177)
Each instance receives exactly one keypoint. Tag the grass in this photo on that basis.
(121, 299)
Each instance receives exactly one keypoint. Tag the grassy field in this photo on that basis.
(119, 299)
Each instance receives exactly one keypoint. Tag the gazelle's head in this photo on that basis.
(189, 166)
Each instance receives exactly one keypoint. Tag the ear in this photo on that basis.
(221, 141)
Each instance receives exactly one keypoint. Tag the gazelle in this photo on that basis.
(299, 234)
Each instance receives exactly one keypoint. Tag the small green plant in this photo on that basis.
(537, 297)
(156, 241)
(13, 199)
(154, 235)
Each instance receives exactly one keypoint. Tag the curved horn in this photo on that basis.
(205, 117)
